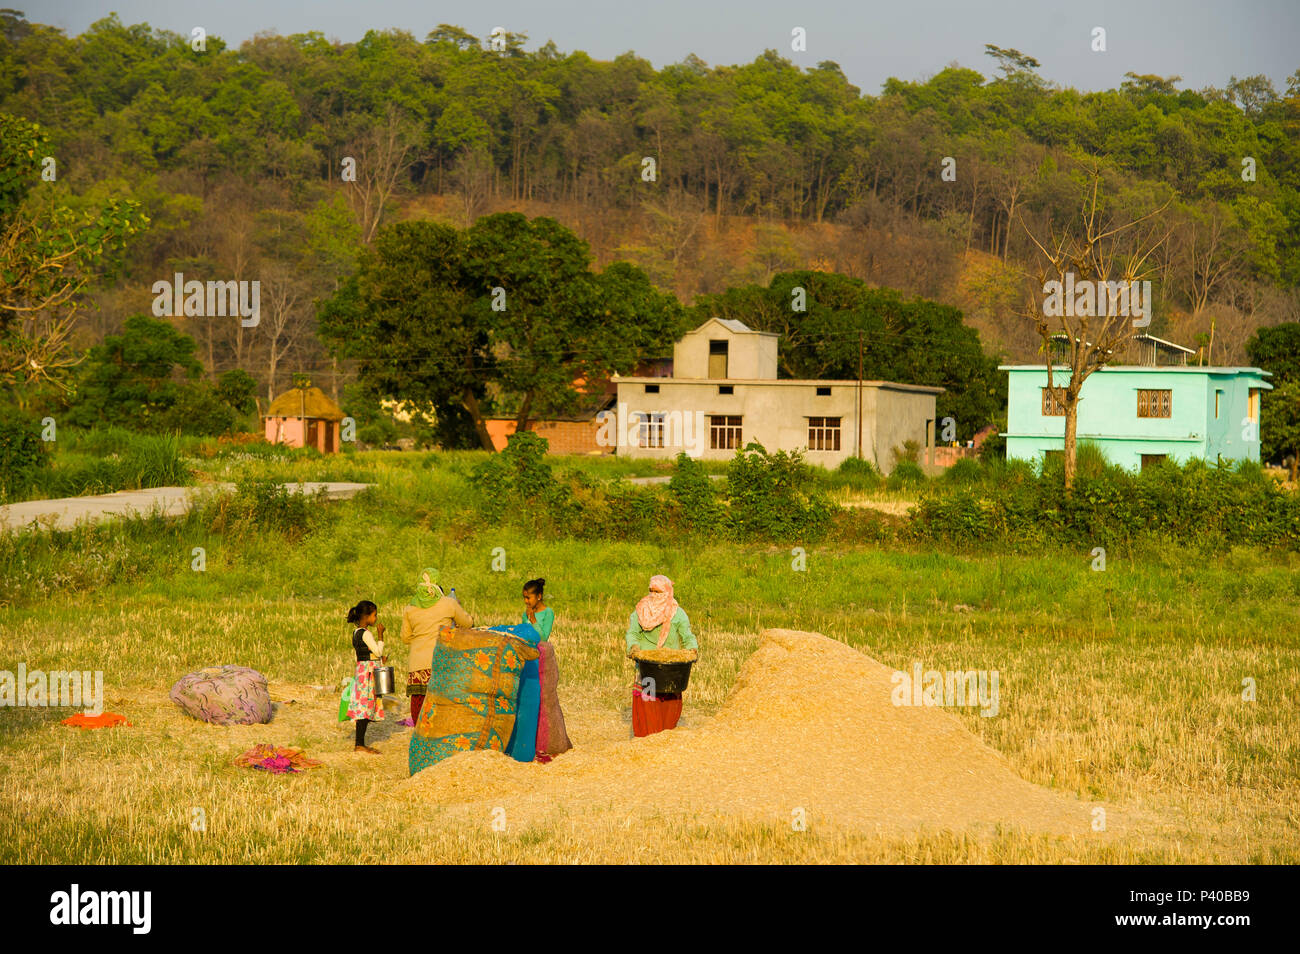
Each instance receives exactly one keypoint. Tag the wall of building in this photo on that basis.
(773, 413)
(285, 430)
(749, 356)
(293, 431)
(565, 437)
(1108, 414)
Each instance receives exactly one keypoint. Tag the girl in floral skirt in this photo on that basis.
(365, 705)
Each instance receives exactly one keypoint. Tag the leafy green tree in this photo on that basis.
(236, 389)
(912, 342)
(517, 306)
(1277, 350)
(133, 379)
(1279, 425)
(51, 247)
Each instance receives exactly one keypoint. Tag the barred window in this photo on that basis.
(824, 433)
(1155, 403)
(650, 430)
(724, 431)
(1053, 405)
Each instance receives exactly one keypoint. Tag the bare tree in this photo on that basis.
(285, 318)
(384, 153)
(1095, 251)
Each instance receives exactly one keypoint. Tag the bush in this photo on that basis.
(265, 505)
(519, 478)
(856, 473)
(964, 471)
(907, 473)
(1196, 504)
(198, 410)
(994, 447)
(236, 389)
(767, 499)
(22, 452)
(696, 497)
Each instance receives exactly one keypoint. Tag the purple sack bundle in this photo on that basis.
(229, 695)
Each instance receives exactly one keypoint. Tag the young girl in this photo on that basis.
(365, 704)
(536, 612)
(552, 736)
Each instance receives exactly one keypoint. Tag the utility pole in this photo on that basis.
(859, 394)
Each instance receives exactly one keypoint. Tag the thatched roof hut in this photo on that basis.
(305, 403)
(304, 417)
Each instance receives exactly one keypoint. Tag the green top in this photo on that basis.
(545, 620)
(679, 633)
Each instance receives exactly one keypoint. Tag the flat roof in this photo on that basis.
(1133, 368)
(786, 382)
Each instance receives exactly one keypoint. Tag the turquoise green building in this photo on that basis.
(1154, 408)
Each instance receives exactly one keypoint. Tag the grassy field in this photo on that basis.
(1122, 686)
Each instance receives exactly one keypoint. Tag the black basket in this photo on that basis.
(669, 678)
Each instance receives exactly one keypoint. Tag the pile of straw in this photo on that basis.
(809, 731)
(666, 655)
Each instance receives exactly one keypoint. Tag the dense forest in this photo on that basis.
(285, 159)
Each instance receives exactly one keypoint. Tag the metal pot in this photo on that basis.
(384, 683)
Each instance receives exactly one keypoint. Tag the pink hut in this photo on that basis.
(304, 417)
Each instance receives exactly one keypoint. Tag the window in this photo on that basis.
(726, 389)
(1252, 404)
(1053, 408)
(1155, 403)
(824, 433)
(823, 392)
(717, 359)
(1150, 460)
(724, 431)
(1217, 395)
(652, 389)
(650, 430)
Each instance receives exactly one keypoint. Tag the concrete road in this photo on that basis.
(66, 512)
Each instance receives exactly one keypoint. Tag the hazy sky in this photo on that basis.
(1203, 41)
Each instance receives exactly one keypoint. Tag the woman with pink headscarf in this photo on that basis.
(657, 623)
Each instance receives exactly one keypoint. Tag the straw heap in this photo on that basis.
(666, 655)
(809, 728)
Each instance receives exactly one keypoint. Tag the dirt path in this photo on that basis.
(64, 513)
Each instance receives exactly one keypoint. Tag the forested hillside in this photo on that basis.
(706, 177)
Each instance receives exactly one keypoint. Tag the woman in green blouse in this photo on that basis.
(657, 623)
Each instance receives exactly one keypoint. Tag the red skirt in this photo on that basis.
(654, 714)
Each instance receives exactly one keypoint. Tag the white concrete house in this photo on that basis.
(724, 393)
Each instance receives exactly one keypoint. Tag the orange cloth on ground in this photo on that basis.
(105, 720)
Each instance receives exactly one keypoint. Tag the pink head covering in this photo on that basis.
(657, 607)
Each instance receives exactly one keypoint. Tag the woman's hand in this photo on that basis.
(380, 628)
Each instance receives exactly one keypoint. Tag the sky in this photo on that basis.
(1203, 41)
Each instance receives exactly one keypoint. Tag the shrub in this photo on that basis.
(855, 472)
(265, 505)
(994, 447)
(907, 473)
(696, 497)
(964, 471)
(767, 499)
(22, 452)
(520, 478)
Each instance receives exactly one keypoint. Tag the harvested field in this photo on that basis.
(808, 728)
